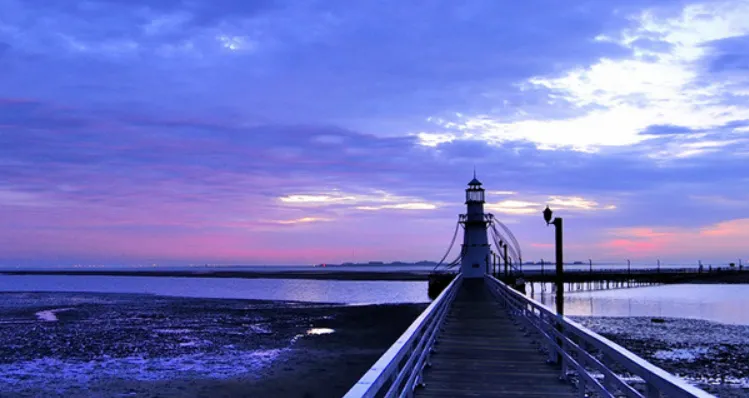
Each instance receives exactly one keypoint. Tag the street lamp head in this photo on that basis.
(547, 215)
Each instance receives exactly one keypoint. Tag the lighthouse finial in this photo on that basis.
(474, 171)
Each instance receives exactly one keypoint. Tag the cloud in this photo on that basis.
(563, 203)
(14, 198)
(401, 206)
(723, 240)
(617, 98)
(257, 122)
(661, 130)
(380, 200)
(302, 220)
(728, 55)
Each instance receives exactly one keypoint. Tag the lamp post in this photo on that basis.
(559, 275)
(504, 255)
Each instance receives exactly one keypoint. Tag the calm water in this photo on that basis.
(719, 303)
(252, 268)
(328, 291)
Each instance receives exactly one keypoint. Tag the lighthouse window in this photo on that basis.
(475, 196)
(475, 265)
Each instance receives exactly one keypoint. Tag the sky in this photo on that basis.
(301, 132)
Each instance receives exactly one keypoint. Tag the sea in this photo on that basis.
(723, 303)
(304, 290)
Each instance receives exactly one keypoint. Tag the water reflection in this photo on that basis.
(319, 331)
(319, 291)
(719, 303)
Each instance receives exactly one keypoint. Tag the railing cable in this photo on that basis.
(449, 248)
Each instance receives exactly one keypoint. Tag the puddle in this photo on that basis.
(317, 331)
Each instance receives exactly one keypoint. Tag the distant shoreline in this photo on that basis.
(316, 274)
(320, 274)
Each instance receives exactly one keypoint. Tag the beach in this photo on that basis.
(713, 356)
(92, 345)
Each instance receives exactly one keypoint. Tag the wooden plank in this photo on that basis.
(482, 353)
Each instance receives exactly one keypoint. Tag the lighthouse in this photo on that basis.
(476, 251)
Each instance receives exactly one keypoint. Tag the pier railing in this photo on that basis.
(399, 370)
(598, 366)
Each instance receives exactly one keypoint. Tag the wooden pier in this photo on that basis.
(483, 338)
(482, 353)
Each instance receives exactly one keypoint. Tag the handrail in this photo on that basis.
(534, 269)
(588, 355)
(399, 369)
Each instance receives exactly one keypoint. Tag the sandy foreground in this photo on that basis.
(114, 345)
(713, 356)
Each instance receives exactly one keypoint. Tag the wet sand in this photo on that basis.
(113, 345)
(323, 366)
(713, 356)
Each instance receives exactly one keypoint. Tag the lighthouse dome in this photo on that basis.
(474, 181)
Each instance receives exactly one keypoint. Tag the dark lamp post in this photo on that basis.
(559, 274)
(559, 277)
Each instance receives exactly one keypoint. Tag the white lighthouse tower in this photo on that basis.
(476, 249)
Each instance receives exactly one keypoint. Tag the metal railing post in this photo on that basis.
(608, 382)
(652, 391)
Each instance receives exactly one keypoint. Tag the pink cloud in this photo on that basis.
(724, 240)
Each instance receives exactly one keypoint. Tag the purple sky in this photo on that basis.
(288, 132)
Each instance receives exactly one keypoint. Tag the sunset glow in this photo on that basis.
(306, 132)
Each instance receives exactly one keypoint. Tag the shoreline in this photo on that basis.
(321, 274)
(315, 275)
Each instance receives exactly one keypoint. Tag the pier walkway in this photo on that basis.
(480, 338)
(482, 353)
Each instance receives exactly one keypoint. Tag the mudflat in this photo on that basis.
(125, 345)
(713, 356)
